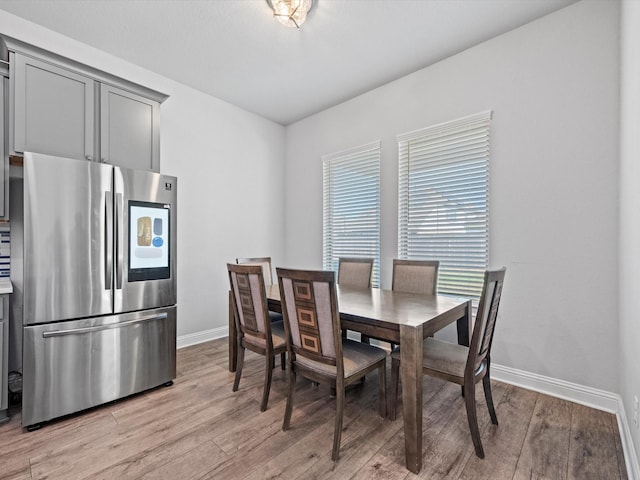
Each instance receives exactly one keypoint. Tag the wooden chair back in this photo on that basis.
(485, 324)
(415, 276)
(250, 300)
(264, 262)
(355, 272)
(311, 319)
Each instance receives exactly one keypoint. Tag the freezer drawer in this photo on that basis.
(74, 365)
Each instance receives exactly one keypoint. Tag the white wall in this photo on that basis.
(553, 88)
(213, 148)
(630, 214)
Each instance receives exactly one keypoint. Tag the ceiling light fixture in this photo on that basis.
(290, 13)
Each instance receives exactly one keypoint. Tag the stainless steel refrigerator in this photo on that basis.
(99, 284)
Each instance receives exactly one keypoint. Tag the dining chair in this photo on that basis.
(415, 276)
(355, 272)
(267, 273)
(254, 329)
(316, 349)
(465, 366)
(264, 262)
(412, 276)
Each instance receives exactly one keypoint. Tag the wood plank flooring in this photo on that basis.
(199, 429)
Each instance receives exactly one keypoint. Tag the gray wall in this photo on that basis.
(553, 88)
(630, 214)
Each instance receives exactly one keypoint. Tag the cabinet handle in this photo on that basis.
(89, 157)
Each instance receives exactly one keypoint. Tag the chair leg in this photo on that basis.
(337, 434)
(486, 385)
(393, 393)
(472, 418)
(382, 389)
(239, 365)
(283, 360)
(291, 380)
(364, 339)
(267, 382)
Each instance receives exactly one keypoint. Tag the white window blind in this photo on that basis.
(351, 206)
(444, 201)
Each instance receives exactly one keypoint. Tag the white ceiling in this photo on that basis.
(236, 51)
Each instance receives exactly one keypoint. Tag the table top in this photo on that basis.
(387, 306)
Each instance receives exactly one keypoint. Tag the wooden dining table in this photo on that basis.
(402, 318)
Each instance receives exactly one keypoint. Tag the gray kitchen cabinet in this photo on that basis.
(61, 107)
(129, 129)
(53, 109)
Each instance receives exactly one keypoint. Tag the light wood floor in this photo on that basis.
(199, 429)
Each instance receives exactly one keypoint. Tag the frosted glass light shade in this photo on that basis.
(291, 13)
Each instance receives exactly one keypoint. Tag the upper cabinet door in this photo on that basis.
(53, 109)
(129, 129)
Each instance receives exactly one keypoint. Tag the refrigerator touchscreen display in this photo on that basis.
(149, 241)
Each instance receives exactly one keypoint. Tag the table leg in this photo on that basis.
(411, 374)
(233, 346)
(464, 326)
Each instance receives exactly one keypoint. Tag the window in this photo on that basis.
(351, 206)
(444, 201)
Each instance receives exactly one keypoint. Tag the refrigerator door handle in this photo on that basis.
(108, 256)
(119, 226)
(97, 328)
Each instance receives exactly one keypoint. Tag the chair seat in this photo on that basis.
(277, 337)
(441, 357)
(357, 356)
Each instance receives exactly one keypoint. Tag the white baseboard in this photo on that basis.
(630, 457)
(573, 392)
(201, 337)
(590, 397)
